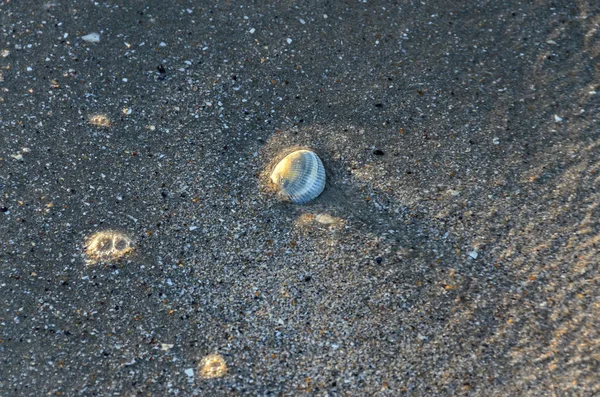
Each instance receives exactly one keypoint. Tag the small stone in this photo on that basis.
(557, 119)
(289, 41)
(496, 141)
(166, 346)
(91, 38)
(378, 152)
(473, 254)
(189, 372)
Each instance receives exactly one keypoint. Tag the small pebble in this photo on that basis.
(91, 38)
(166, 346)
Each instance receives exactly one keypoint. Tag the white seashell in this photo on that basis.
(300, 176)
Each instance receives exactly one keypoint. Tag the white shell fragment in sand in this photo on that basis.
(212, 366)
(91, 38)
(300, 176)
(107, 246)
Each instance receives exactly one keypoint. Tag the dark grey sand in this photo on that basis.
(453, 252)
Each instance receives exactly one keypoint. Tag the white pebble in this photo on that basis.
(189, 372)
(557, 118)
(162, 44)
(166, 346)
(252, 31)
(289, 41)
(473, 254)
(91, 38)
(496, 141)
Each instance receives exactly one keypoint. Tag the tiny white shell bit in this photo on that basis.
(300, 176)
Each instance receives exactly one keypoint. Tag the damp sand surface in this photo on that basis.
(453, 251)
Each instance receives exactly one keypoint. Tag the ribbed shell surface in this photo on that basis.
(300, 176)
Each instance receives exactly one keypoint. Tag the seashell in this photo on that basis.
(300, 176)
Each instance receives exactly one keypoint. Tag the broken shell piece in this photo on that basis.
(323, 220)
(300, 176)
(212, 366)
(326, 219)
(107, 245)
(91, 38)
(100, 120)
